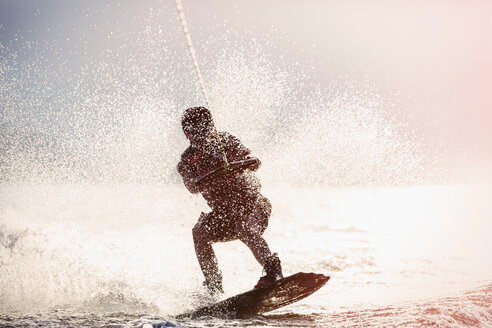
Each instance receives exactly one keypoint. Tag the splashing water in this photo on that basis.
(90, 214)
(113, 114)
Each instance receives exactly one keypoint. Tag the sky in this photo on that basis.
(432, 58)
(436, 56)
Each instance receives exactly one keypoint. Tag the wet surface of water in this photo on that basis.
(391, 254)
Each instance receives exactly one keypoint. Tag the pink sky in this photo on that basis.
(436, 56)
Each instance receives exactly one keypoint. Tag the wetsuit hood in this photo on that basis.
(197, 124)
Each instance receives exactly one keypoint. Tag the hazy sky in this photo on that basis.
(435, 55)
(434, 58)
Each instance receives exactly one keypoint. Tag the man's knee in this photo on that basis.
(199, 230)
(246, 234)
(197, 233)
(262, 215)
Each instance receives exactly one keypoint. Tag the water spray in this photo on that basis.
(186, 30)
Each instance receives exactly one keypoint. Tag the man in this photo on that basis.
(239, 211)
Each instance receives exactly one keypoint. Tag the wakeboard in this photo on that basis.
(257, 301)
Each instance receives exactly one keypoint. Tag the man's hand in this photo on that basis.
(255, 166)
(217, 160)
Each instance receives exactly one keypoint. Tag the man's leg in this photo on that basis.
(208, 230)
(256, 243)
(270, 262)
(249, 230)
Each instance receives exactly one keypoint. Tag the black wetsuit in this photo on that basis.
(239, 210)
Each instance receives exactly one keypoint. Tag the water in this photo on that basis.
(95, 225)
(97, 255)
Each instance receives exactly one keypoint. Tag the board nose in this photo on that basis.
(314, 279)
(322, 278)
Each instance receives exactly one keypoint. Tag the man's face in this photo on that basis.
(198, 137)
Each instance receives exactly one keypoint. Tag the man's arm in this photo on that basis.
(238, 151)
(235, 150)
(188, 177)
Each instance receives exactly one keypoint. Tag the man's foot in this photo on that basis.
(273, 271)
(265, 281)
(214, 286)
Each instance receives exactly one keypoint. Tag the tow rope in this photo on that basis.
(186, 30)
